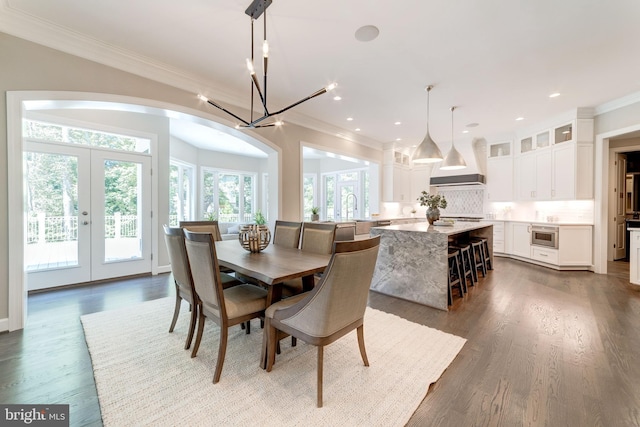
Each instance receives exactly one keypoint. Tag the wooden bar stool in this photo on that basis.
(466, 260)
(455, 277)
(478, 257)
(485, 250)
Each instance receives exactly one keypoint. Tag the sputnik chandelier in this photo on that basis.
(255, 9)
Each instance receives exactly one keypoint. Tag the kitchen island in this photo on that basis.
(412, 260)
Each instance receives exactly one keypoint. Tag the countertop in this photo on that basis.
(424, 227)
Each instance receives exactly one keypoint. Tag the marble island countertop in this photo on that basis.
(424, 227)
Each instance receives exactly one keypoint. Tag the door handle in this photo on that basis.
(85, 222)
(85, 213)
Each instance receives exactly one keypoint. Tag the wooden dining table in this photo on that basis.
(271, 267)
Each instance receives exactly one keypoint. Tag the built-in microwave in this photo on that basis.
(544, 236)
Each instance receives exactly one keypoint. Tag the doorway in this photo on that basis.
(88, 214)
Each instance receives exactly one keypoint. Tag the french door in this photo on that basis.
(347, 200)
(88, 214)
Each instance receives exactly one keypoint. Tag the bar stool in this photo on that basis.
(485, 249)
(466, 262)
(454, 276)
(478, 257)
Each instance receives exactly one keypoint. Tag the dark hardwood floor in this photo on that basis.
(545, 348)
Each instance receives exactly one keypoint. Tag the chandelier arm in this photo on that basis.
(265, 61)
(227, 111)
(313, 95)
(252, 74)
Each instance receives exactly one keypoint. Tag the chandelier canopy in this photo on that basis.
(255, 10)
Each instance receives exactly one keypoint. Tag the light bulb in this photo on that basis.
(279, 123)
(201, 97)
(265, 49)
(250, 66)
(331, 87)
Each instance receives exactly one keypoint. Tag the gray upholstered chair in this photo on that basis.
(206, 227)
(333, 308)
(174, 239)
(287, 233)
(226, 307)
(316, 238)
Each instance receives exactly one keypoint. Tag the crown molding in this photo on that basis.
(625, 101)
(25, 26)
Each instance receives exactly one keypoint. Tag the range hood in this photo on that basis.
(471, 179)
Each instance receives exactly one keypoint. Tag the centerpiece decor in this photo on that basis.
(255, 237)
(433, 202)
(315, 213)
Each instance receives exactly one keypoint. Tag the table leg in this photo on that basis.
(308, 282)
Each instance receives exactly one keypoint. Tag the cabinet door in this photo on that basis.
(543, 175)
(521, 239)
(500, 179)
(526, 176)
(401, 184)
(564, 172)
(575, 245)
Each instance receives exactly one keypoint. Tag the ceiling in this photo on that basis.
(496, 60)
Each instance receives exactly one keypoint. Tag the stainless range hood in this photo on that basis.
(471, 179)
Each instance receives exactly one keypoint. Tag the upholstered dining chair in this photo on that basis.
(174, 239)
(226, 307)
(206, 227)
(316, 238)
(287, 233)
(333, 308)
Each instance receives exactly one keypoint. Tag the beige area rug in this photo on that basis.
(145, 377)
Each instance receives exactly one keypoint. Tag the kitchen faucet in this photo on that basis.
(355, 204)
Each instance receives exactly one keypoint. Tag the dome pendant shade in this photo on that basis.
(454, 159)
(427, 151)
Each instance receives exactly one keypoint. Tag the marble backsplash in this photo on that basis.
(463, 200)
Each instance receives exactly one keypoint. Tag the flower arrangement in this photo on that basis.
(432, 201)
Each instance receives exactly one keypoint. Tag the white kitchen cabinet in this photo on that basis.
(575, 245)
(533, 175)
(498, 237)
(547, 255)
(521, 239)
(634, 258)
(397, 184)
(499, 179)
(572, 171)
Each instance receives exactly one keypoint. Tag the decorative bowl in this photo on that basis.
(254, 238)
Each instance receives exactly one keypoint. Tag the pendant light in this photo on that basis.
(454, 159)
(427, 151)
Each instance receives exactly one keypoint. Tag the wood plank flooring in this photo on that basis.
(545, 348)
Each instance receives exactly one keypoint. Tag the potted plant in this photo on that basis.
(433, 202)
(315, 216)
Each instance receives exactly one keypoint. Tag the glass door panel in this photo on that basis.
(58, 235)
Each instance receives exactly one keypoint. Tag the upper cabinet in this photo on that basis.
(556, 164)
(499, 172)
(396, 169)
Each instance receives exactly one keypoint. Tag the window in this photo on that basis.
(50, 132)
(338, 191)
(329, 197)
(181, 191)
(228, 196)
(309, 195)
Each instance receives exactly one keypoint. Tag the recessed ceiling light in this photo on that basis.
(349, 119)
(357, 129)
(554, 95)
(337, 98)
(367, 33)
(398, 139)
(465, 131)
(520, 119)
(472, 125)
(397, 123)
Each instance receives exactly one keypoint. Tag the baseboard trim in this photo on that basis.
(4, 325)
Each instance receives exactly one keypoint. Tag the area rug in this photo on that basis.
(144, 377)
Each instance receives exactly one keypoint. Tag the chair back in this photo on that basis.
(174, 239)
(287, 233)
(203, 227)
(318, 237)
(201, 251)
(340, 298)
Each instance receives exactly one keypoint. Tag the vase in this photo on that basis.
(254, 238)
(315, 217)
(433, 214)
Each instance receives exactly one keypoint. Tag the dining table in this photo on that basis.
(270, 268)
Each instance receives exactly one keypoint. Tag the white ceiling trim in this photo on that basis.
(625, 101)
(28, 27)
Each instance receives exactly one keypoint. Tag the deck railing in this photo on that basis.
(49, 229)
